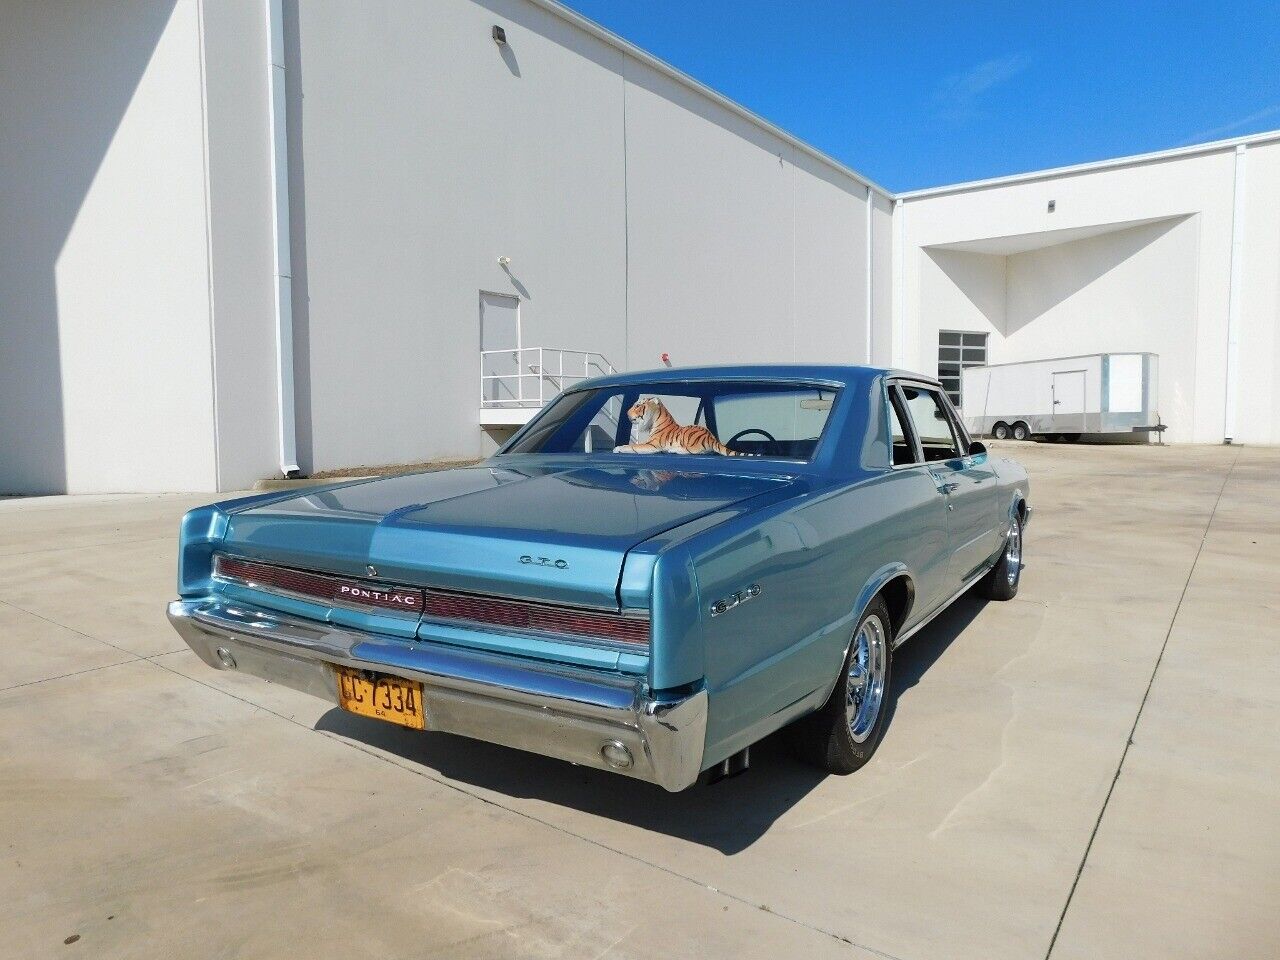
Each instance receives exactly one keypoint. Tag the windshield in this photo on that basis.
(758, 418)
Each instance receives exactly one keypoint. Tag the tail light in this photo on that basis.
(438, 605)
(542, 617)
(319, 587)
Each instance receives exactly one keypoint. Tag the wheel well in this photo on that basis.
(999, 423)
(899, 593)
(1022, 510)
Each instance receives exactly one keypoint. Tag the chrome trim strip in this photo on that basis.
(547, 708)
(908, 634)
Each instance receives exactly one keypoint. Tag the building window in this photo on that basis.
(957, 350)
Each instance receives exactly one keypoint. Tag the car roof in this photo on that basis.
(845, 374)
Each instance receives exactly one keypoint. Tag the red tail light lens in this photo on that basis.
(435, 604)
(320, 587)
(521, 615)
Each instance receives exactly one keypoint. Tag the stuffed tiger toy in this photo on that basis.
(663, 435)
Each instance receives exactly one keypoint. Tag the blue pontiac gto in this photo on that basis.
(650, 613)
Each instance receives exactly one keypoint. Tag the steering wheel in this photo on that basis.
(742, 433)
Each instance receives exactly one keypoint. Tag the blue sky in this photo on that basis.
(915, 94)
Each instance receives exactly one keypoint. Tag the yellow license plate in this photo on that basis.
(381, 697)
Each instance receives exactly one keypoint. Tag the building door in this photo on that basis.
(1068, 401)
(499, 347)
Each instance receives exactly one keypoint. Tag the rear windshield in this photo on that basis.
(778, 420)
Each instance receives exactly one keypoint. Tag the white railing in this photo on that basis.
(530, 376)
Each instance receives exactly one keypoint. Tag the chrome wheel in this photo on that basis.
(1013, 553)
(864, 683)
(1001, 431)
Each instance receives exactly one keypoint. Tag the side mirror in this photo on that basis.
(976, 447)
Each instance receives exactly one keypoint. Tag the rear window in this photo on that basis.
(776, 420)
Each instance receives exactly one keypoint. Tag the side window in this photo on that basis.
(957, 425)
(932, 425)
(904, 450)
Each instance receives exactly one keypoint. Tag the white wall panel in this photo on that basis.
(423, 153)
(709, 210)
(105, 372)
(830, 268)
(882, 287)
(1258, 411)
(640, 217)
(241, 242)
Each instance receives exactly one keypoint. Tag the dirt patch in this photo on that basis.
(389, 469)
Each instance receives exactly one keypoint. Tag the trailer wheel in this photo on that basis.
(1000, 431)
(1021, 431)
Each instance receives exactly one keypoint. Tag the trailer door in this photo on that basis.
(1068, 401)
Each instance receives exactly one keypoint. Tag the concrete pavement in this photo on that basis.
(1086, 771)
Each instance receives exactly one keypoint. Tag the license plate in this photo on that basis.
(381, 697)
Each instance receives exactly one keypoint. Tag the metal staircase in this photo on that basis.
(517, 383)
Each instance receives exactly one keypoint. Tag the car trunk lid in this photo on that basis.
(557, 534)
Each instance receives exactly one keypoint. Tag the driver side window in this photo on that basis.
(902, 443)
(932, 424)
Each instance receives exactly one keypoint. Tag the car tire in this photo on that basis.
(1001, 581)
(1000, 431)
(1021, 431)
(843, 735)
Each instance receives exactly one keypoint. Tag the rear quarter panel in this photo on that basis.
(777, 656)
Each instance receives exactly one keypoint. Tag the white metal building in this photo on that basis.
(1174, 253)
(251, 235)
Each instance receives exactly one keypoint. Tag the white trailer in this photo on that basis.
(1065, 398)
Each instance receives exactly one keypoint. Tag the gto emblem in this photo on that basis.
(545, 562)
(735, 599)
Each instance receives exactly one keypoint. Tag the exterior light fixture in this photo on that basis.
(1053, 205)
(499, 36)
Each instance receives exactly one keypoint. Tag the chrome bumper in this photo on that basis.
(557, 711)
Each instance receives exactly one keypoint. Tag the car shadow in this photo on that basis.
(913, 659)
(728, 816)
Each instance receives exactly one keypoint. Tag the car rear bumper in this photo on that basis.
(554, 710)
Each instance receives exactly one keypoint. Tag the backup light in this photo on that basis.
(617, 755)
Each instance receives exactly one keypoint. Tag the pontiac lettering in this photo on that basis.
(390, 597)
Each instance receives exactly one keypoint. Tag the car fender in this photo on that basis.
(875, 583)
(1015, 501)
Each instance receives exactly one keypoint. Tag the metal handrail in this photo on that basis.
(508, 389)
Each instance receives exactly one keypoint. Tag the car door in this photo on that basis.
(918, 511)
(966, 481)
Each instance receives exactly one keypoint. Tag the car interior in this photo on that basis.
(777, 420)
(919, 414)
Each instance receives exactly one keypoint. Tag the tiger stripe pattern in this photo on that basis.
(663, 434)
